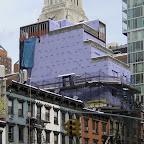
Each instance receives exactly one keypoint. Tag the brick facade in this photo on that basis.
(6, 61)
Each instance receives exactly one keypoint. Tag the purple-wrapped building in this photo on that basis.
(72, 60)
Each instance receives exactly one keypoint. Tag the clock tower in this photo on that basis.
(63, 9)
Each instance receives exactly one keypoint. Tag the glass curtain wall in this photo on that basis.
(133, 27)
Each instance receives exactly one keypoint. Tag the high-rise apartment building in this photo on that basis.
(63, 9)
(133, 28)
(5, 60)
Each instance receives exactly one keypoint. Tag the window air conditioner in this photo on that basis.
(87, 129)
(103, 133)
(10, 116)
(93, 132)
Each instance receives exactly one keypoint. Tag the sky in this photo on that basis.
(17, 13)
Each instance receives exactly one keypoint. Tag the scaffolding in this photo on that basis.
(95, 89)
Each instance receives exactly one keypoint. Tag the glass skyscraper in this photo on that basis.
(133, 28)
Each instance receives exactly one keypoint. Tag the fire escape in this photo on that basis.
(35, 127)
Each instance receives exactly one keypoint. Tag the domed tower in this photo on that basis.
(63, 9)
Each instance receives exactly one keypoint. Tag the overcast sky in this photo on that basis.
(17, 13)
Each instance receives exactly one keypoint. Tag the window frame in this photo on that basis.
(38, 115)
(48, 136)
(10, 111)
(20, 111)
(57, 136)
(56, 118)
(47, 114)
(30, 110)
(11, 133)
(21, 129)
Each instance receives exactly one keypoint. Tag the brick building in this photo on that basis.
(95, 129)
(5, 60)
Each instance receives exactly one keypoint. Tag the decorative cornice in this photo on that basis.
(109, 58)
(2, 124)
(90, 30)
(46, 95)
(56, 132)
(56, 109)
(21, 100)
(39, 104)
(86, 28)
(48, 131)
(98, 46)
(47, 106)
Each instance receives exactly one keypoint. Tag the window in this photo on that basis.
(97, 127)
(95, 141)
(86, 128)
(103, 127)
(10, 106)
(55, 117)
(10, 133)
(93, 126)
(39, 112)
(70, 140)
(63, 139)
(47, 136)
(67, 80)
(38, 136)
(78, 117)
(30, 110)
(63, 118)
(20, 109)
(70, 116)
(86, 140)
(21, 134)
(31, 135)
(55, 138)
(47, 114)
(111, 127)
(1, 137)
(117, 127)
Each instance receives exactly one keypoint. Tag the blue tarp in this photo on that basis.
(27, 57)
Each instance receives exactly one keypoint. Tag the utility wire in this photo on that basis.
(114, 115)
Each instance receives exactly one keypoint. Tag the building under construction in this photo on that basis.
(72, 60)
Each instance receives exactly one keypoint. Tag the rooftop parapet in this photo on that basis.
(43, 28)
(98, 46)
(109, 58)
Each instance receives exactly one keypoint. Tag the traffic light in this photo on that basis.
(67, 127)
(72, 127)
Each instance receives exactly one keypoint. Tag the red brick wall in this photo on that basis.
(6, 61)
(90, 134)
(16, 68)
